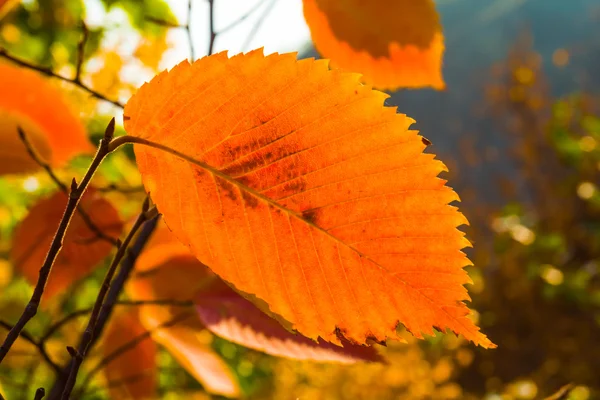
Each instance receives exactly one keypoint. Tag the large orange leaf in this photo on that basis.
(295, 184)
(394, 43)
(29, 101)
(133, 359)
(82, 249)
(228, 315)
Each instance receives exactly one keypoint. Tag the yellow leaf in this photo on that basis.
(295, 184)
(29, 101)
(394, 44)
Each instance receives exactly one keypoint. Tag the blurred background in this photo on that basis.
(518, 126)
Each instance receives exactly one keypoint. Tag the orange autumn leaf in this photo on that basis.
(297, 186)
(133, 358)
(29, 101)
(394, 44)
(6, 6)
(82, 249)
(197, 357)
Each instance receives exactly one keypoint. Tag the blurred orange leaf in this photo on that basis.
(82, 249)
(6, 6)
(166, 270)
(296, 185)
(135, 366)
(196, 356)
(394, 44)
(29, 101)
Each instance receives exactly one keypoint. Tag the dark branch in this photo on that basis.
(40, 393)
(75, 195)
(121, 189)
(90, 330)
(211, 24)
(188, 30)
(242, 18)
(258, 24)
(81, 52)
(130, 345)
(112, 296)
(40, 346)
(127, 303)
(84, 215)
(49, 72)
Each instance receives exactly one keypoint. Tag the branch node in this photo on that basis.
(73, 186)
(40, 393)
(73, 352)
(109, 133)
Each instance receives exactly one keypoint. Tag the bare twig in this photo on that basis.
(241, 18)
(39, 345)
(130, 345)
(40, 393)
(127, 303)
(77, 191)
(163, 22)
(84, 215)
(88, 334)
(211, 25)
(187, 27)
(121, 189)
(112, 296)
(49, 72)
(258, 25)
(81, 52)
(118, 382)
(188, 30)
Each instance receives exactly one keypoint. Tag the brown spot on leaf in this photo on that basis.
(227, 188)
(250, 200)
(425, 141)
(309, 216)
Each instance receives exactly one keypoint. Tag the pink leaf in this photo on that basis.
(230, 316)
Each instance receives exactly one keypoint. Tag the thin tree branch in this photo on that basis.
(258, 25)
(188, 30)
(130, 345)
(40, 393)
(90, 330)
(127, 303)
(187, 27)
(241, 18)
(118, 382)
(77, 191)
(84, 215)
(112, 296)
(121, 189)
(211, 25)
(49, 72)
(40, 346)
(80, 52)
